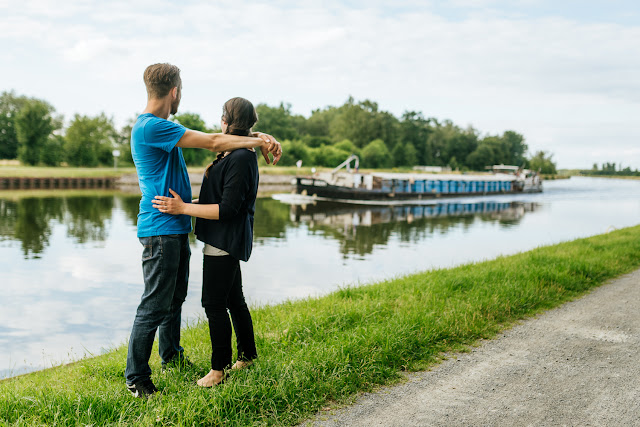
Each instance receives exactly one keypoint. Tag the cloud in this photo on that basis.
(486, 63)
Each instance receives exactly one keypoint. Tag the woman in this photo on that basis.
(224, 213)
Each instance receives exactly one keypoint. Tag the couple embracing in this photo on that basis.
(224, 213)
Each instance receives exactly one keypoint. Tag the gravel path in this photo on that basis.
(577, 365)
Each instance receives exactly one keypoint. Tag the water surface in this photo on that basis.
(72, 278)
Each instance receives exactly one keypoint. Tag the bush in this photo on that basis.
(376, 155)
(294, 151)
(52, 153)
(90, 141)
(329, 156)
(348, 146)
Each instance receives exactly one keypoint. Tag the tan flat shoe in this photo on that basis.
(242, 364)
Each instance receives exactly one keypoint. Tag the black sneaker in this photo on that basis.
(178, 363)
(142, 389)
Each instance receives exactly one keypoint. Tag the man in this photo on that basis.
(156, 147)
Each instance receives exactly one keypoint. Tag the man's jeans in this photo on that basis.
(165, 265)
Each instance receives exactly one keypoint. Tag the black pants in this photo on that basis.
(222, 291)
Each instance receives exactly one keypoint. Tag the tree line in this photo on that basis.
(610, 169)
(31, 131)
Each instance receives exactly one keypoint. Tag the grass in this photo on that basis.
(14, 171)
(578, 172)
(612, 176)
(321, 351)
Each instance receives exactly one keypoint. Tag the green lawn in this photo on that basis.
(319, 351)
(64, 172)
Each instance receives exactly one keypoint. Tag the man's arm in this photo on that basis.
(238, 181)
(175, 206)
(218, 142)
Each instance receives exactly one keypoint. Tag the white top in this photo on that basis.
(213, 251)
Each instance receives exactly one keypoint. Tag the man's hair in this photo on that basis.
(160, 79)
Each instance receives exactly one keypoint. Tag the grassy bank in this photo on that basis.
(579, 172)
(322, 350)
(612, 176)
(62, 172)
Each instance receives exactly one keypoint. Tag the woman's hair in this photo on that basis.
(240, 116)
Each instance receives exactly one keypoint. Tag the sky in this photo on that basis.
(565, 74)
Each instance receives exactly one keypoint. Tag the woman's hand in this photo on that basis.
(171, 205)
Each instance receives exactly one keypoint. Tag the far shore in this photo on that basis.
(13, 169)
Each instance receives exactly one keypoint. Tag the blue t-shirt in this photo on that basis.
(160, 166)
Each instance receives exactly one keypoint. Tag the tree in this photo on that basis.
(459, 145)
(277, 121)
(437, 142)
(482, 156)
(34, 124)
(319, 125)
(329, 156)
(316, 141)
(376, 155)
(541, 161)
(399, 155)
(122, 140)
(347, 146)
(90, 141)
(52, 153)
(415, 130)
(294, 150)
(500, 149)
(10, 105)
(411, 154)
(362, 123)
(515, 146)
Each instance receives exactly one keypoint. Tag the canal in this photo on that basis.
(70, 260)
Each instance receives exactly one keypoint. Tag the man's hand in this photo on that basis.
(170, 205)
(270, 146)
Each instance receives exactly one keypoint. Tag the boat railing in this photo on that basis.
(347, 163)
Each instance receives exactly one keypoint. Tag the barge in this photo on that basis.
(350, 186)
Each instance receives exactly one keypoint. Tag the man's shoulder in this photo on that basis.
(144, 119)
(149, 121)
(150, 129)
(142, 124)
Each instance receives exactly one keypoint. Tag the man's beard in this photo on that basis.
(174, 106)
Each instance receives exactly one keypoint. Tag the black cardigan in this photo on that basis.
(233, 184)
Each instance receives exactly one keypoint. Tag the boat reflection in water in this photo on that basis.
(341, 216)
